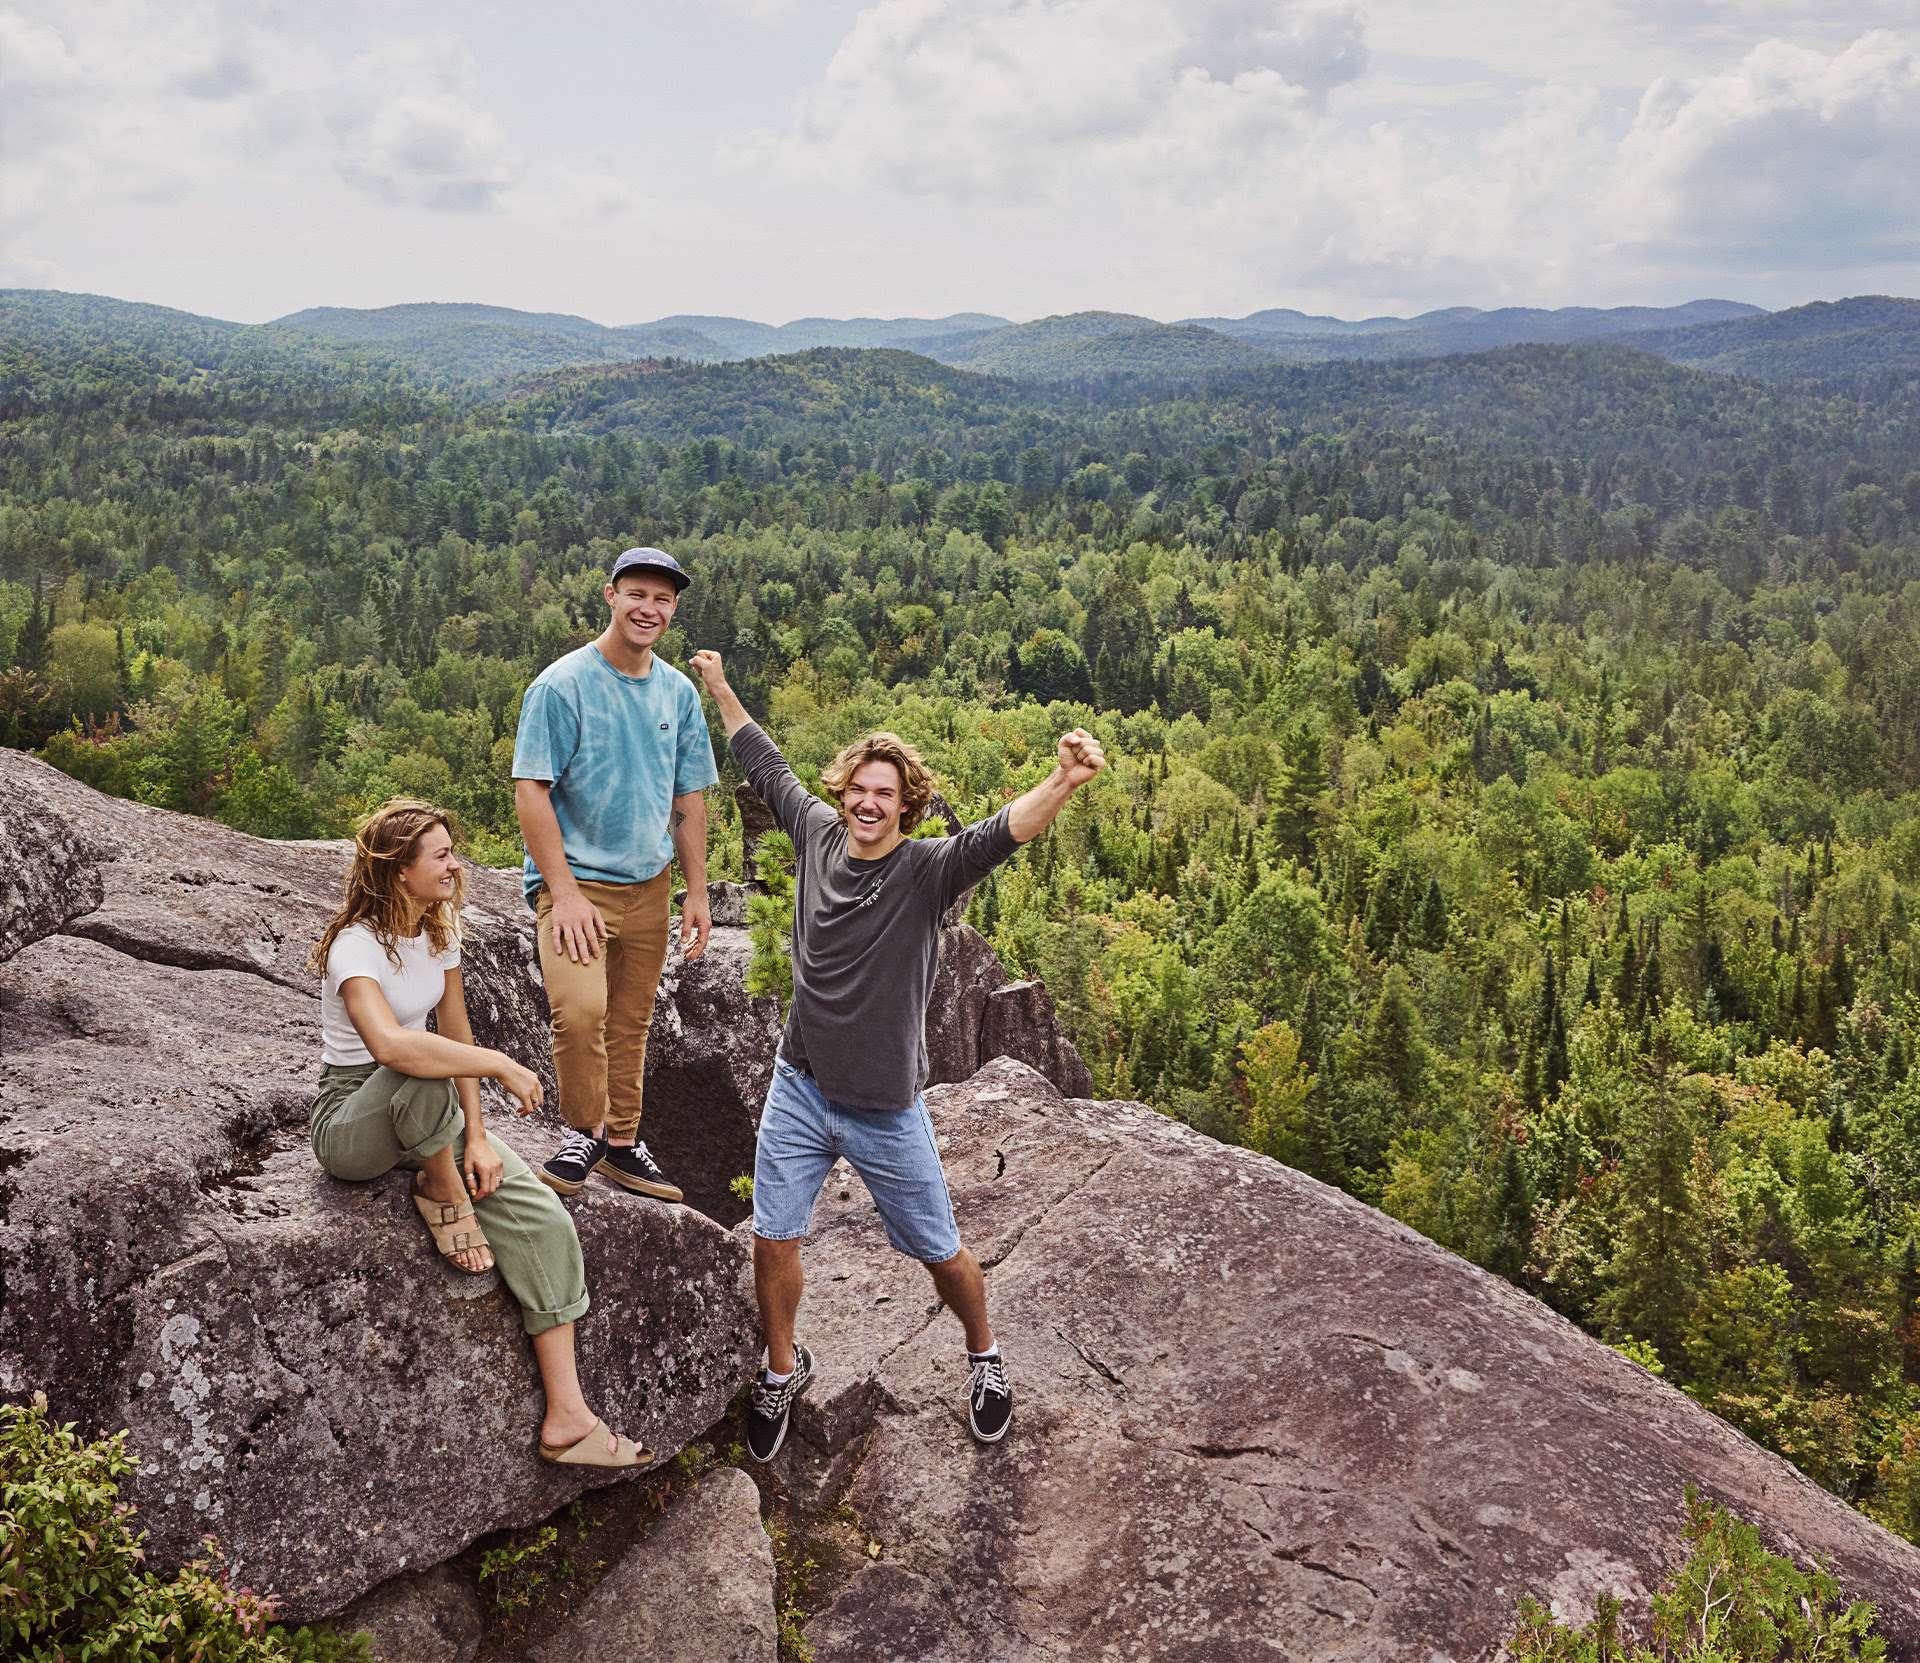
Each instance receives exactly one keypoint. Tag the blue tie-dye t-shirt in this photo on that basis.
(618, 749)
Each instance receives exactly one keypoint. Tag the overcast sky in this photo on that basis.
(778, 158)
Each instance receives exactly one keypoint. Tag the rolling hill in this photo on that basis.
(1821, 341)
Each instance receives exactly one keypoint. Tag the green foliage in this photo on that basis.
(770, 919)
(1731, 1602)
(740, 1187)
(1533, 735)
(515, 1573)
(73, 1588)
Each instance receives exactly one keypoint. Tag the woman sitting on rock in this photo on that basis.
(393, 1094)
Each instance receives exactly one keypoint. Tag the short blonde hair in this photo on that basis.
(916, 778)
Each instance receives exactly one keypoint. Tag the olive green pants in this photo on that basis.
(367, 1120)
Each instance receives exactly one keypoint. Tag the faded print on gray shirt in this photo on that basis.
(866, 935)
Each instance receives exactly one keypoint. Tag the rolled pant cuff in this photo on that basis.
(538, 1322)
(438, 1139)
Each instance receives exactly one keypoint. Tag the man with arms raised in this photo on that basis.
(610, 770)
(852, 1063)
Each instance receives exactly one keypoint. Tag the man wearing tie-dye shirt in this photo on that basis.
(610, 769)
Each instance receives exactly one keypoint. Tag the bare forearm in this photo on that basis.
(540, 829)
(733, 714)
(690, 839)
(453, 1026)
(425, 1056)
(1033, 811)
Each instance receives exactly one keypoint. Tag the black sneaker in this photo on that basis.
(770, 1406)
(577, 1157)
(989, 1398)
(631, 1167)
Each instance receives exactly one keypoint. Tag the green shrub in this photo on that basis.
(1732, 1602)
(72, 1585)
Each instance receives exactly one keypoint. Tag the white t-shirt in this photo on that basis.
(413, 987)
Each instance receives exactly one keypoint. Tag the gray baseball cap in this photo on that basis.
(650, 560)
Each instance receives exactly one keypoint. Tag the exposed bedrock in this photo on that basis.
(1253, 1418)
(301, 1375)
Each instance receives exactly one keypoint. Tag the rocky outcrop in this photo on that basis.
(697, 1589)
(283, 1346)
(432, 1616)
(976, 1014)
(1250, 1411)
(300, 1375)
(49, 870)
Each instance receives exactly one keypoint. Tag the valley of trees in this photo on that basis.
(1515, 813)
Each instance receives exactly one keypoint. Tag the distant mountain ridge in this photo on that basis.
(476, 344)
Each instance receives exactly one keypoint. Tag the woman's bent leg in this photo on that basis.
(388, 1119)
(534, 1246)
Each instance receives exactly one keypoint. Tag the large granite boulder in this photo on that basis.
(974, 1014)
(301, 1376)
(1251, 1413)
(698, 1588)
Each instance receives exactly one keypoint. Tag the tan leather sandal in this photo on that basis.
(592, 1451)
(444, 1221)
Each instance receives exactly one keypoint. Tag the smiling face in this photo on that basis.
(871, 805)
(434, 872)
(641, 607)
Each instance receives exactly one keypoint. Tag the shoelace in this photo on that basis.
(771, 1401)
(578, 1147)
(644, 1157)
(989, 1379)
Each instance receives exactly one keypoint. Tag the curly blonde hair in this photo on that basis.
(385, 844)
(916, 778)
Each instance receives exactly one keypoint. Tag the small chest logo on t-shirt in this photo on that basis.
(664, 726)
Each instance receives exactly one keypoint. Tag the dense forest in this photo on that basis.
(1515, 810)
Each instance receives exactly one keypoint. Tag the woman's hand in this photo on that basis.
(521, 1084)
(483, 1167)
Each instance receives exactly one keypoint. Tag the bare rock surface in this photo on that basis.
(1255, 1418)
(698, 1588)
(49, 866)
(430, 1617)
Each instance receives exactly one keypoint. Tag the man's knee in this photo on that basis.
(579, 1016)
(776, 1250)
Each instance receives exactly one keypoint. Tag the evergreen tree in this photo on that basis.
(1660, 1253)
(32, 651)
(1512, 1217)
(1392, 1043)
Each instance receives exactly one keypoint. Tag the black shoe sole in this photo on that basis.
(786, 1425)
(640, 1186)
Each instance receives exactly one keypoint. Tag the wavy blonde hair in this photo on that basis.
(385, 844)
(916, 779)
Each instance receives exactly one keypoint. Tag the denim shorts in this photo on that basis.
(802, 1133)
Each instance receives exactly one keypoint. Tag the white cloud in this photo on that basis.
(1211, 135)
(1025, 97)
(1791, 149)
(410, 132)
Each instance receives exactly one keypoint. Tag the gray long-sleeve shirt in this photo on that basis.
(866, 936)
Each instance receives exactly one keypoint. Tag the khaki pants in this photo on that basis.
(367, 1120)
(603, 1008)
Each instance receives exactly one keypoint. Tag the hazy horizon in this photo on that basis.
(768, 159)
(912, 312)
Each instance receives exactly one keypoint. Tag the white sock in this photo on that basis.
(991, 1351)
(773, 1379)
